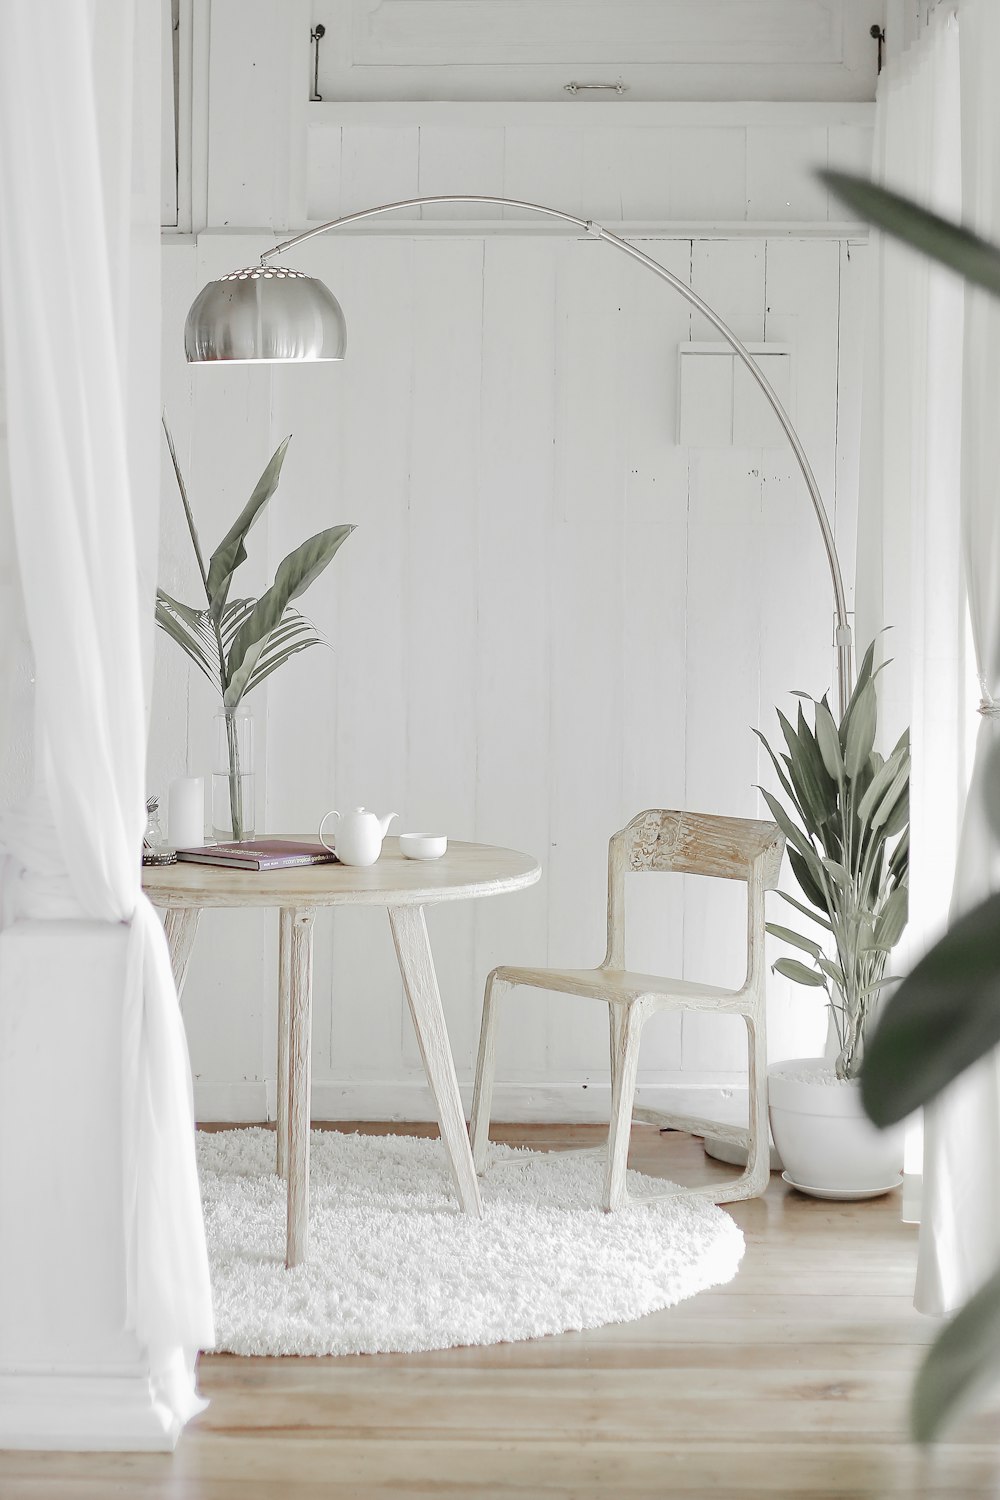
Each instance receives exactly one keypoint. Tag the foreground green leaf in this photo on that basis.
(943, 240)
(963, 1362)
(944, 1017)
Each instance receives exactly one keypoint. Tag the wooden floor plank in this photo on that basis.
(790, 1381)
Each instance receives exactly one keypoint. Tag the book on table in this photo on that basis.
(261, 854)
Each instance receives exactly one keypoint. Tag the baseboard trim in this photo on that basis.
(233, 1103)
(84, 1412)
(562, 1103)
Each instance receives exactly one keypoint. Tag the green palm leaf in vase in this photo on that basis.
(236, 644)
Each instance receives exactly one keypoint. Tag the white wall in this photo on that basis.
(551, 615)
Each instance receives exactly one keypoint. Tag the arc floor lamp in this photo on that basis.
(272, 314)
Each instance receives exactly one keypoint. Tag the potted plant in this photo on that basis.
(846, 823)
(237, 643)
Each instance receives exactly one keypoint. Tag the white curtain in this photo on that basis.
(960, 1231)
(909, 568)
(909, 540)
(79, 289)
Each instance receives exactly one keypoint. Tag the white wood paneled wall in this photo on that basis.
(550, 617)
(639, 163)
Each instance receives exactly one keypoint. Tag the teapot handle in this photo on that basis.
(333, 813)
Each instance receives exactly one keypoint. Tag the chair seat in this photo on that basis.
(617, 984)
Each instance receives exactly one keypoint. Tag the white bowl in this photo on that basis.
(422, 845)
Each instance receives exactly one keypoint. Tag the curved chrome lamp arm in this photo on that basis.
(597, 231)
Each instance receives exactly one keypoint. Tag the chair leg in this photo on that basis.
(482, 1093)
(758, 1173)
(616, 1018)
(626, 1029)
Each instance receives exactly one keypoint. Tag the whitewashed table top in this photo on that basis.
(465, 872)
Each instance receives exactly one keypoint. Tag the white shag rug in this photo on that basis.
(394, 1266)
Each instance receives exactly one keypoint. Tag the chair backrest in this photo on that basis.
(702, 844)
(694, 844)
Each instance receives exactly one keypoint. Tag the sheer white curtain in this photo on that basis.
(80, 302)
(909, 535)
(960, 1232)
(909, 569)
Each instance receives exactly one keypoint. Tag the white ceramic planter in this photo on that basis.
(827, 1143)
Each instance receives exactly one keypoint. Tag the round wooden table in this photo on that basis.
(404, 887)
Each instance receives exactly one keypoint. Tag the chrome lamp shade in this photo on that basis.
(264, 313)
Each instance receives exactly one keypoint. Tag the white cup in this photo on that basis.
(422, 845)
(186, 812)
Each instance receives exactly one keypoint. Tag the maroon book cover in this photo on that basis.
(261, 854)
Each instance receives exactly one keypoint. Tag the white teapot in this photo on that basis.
(359, 836)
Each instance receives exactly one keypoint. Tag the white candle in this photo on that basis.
(186, 812)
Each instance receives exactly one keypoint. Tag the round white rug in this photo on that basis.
(395, 1267)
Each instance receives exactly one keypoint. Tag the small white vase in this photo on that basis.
(826, 1140)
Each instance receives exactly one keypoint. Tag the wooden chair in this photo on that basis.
(689, 844)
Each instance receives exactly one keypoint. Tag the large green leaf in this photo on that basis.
(811, 888)
(890, 802)
(899, 815)
(832, 971)
(861, 725)
(181, 624)
(295, 573)
(816, 791)
(186, 612)
(270, 663)
(294, 634)
(829, 742)
(837, 872)
(799, 973)
(782, 777)
(963, 1361)
(805, 910)
(899, 864)
(951, 244)
(863, 678)
(792, 833)
(944, 1017)
(814, 759)
(233, 616)
(231, 551)
(880, 784)
(892, 918)
(797, 941)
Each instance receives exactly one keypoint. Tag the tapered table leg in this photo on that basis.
(286, 918)
(299, 1050)
(416, 964)
(181, 927)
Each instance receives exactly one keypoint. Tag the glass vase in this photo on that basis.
(233, 776)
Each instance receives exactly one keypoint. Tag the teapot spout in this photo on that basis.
(383, 823)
